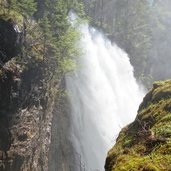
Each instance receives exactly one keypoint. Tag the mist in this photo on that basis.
(142, 29)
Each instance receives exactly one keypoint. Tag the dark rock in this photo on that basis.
(22, 137)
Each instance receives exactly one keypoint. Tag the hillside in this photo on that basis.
(145, 144)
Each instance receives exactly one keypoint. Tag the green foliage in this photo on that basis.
(166, 118)
(67, 57)
(62, 35)
(25, 7)
(51, 37)
(7, 12)
(128, 142)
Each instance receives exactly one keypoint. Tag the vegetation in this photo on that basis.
(32, 79)
(145, 144)
(24, 7)
(47, 32)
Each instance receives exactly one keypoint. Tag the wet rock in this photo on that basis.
(9, 40)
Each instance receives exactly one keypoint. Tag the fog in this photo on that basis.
(142, 29)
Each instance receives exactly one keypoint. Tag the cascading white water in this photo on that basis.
(104, 97)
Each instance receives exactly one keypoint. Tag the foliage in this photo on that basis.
(62, 35)
(25, 7)
(50, 37)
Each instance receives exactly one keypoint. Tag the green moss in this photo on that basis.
(166, 118)
(163, 130)
(128, 142)
(145, 145)
(6, 13)
(150, 167)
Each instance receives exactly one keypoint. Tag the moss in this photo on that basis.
(164, 149)
(166, 118)
(128, 142)
(163, 130)
(145, 144)
(16, 16)
(150, 167)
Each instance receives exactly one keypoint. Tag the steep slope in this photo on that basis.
(25, 118)
(145, 144)
(37, 48)
(26, 99)
(9, 44)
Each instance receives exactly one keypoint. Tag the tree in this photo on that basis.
(60, 34)
(25, 7)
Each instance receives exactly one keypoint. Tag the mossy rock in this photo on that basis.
(145, 144)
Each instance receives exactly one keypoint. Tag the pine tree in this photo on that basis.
(47, 35)
(62, 35)
(25, 7)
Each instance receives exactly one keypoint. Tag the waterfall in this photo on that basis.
(104, 97)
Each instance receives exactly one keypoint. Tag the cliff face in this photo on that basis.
(62, 152)
(145, 144)
(33, 62)
(9, 41)
(26, 105)
(25, 119)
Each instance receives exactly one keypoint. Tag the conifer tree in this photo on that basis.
(25, 7)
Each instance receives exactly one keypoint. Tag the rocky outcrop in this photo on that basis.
(145, 144)
(27, 93)
(9, 40)
(25, 118)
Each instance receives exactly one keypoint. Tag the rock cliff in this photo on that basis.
(26, 104)
(37, 48)
(145, 144)
(9, 40)
(25, 118)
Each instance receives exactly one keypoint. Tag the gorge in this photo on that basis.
(71, 86)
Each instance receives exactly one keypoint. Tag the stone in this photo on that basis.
(9, 41)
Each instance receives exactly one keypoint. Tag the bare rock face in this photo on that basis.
(62, 155)
(25, 119)
(145, 144)
(9, 40)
